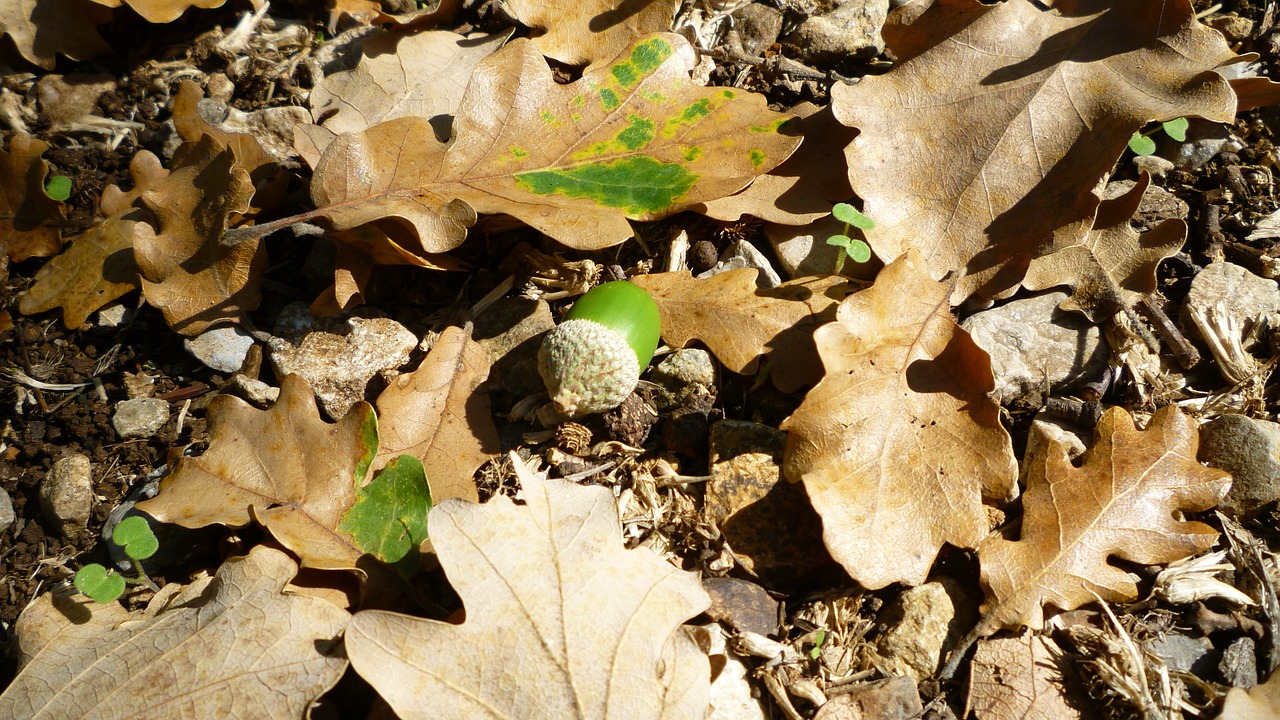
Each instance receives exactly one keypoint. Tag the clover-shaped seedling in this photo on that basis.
(1142, 144)
(103, 585)
(854, 248)
(58, 188)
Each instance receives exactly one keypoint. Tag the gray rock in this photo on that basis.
(113, 315)
(338, 356)
(1244, 295)
(851, 30)
(256, 392)
(66, 494)
(1250, 450)
(759, 25)
(1239, 665)
(923, 624)
(511, 330)
(1183, 652)
(1153, 165)
(1204, 141)
(682, 376)
(140, 417)
(1033, 345)
(741, 254)
(221, 348)
(7, 516)
(895, 698)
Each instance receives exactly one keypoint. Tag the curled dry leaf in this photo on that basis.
(30, 221)
(740, 322)
(161, 11)
(636, 139)
(99, 661)
(899, 443)
(40, 29)
(581, 33)
(436, 415)
(187, 273)
(1112, 267)
(562, 621)
(284, 467)
(1035, 106)
(1126, 499)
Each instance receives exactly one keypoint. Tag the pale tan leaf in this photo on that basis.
(635, 139)
(899, 443)
(187, 273)
(1125, 499)
(436, 415)
(1261, 702)
(284, 467)
(1018, 678)
(561, 620)
(1112, 267)
(740, 323)
(421, 75)
(161, 11)
(1025, 109)
(97, 268)
(240, 649)
(588, 31)
(40, 29)
(30, 221)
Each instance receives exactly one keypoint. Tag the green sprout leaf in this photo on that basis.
(816, 650)
(100, 585)
(1176, 129)
(849, 215)
(858, 251)
(1141, 144)
(58, 188)
(389, 517)
(135, 536)
(839, 240)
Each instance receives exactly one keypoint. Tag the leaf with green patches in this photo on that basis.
(389, 518)
(635, 139)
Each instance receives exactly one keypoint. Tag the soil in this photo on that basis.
(142, 355)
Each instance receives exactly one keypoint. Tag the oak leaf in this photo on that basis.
(213, 649)
(187, 273)
(562, 621)
(635, 139)
(161, 11)
(30, 221)
(1124, 499)
(436, 415)
(1113, 266)
(285, 468)
(1026, 110)
(1261, 702)
(1019, 678)
(590, 31)
(899, 444)
(739, 323)
(40, 29)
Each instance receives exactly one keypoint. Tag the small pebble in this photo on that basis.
(140, 417)
(66, 494)
(222, 348)
(7, 516)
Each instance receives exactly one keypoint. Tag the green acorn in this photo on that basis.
(592, 361)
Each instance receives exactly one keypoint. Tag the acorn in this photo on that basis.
(592, 361)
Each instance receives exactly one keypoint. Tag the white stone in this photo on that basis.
(66, 494)
(140, 417)
(7, 516)
(221, 348)
(851, 30)
(923, 624)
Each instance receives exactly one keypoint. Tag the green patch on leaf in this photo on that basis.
(549, 118)
(609, 99)
(134, 535)
(576, 117)
(389, 517)
(635, 185)
(369, 440)
(644, 59)
(518, 153)
(100, 585)
(757, 158)
(58, 188)
(691, 114)
(692, 153)
(772, 127)
(728, 94)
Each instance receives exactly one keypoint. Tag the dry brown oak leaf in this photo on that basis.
(30, 221)
(634, 139)
(285, 467)
(899, 444)
(436, 415)
(981, 147)
(421, 75)
(161, 11)
(40, 29)
(589, 31)
(562, 620)
(739, 323)
(1124, 499)
(1261, 702)
(187, 272)
(1114, 266)
(1019, 678)
(233, 646)
(98, 265)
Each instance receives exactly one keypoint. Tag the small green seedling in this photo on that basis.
(139, 543)
(58, 188)
(816, 650)
(1142, 144)
(855, 249)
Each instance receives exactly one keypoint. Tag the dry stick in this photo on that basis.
(1184, 352)
(243, 234)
